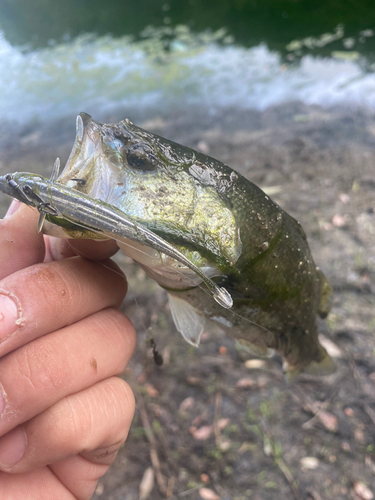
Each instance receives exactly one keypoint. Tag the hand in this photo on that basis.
(64, 412)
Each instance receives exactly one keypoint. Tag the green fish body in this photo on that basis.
(222, 223)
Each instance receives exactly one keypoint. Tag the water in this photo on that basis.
(174, 68)
(57, 59)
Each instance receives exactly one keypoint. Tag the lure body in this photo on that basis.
(216, 219)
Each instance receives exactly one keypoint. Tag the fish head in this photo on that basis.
(113, 162)
(154, 181)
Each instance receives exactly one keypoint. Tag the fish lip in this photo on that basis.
(86, 118)
(4, 185)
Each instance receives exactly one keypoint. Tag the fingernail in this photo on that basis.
(12, 447)
(13, 207)
(8, 316)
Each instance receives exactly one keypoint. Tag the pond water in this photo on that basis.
(60, 59)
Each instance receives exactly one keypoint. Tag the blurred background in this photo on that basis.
(284, 92)
(60, 58)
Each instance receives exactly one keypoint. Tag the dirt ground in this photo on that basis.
(213, 425)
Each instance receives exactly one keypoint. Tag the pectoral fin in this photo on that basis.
(188, 322)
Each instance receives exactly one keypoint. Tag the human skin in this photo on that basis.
(64, 411)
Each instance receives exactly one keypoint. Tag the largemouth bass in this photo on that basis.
(186, 218)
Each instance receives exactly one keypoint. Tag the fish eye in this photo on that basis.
(141, 157)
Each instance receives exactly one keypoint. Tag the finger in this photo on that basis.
(45, 297)
(94, 423)
(79, 475)
(37, 375)
(39, 484)
(20, 243)
(57, 248)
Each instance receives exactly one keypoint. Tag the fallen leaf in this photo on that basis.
(208, 494)
(362, 491)
(223, 350)
(205, 336)
(147, 483)
(349, 411)
(205, 478)
(333, 350)
(245, 383)
(201, 434)
(309, 463)
(329, 421)
(339, 220)
(186, 404)
(359, 435)
(345, 446)
(344, 198)
(99, 489)
(151, 390)
(225, 444)
(255, 364)
(223, 422)
(142, 377)
(193, 380)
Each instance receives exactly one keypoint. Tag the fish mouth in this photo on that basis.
(4, 185)
(90, 168)
(84, 151)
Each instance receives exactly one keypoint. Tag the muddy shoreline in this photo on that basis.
(264, 440)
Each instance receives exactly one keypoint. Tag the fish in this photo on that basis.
(222, 249)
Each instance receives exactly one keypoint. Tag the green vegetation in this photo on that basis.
(275, 22)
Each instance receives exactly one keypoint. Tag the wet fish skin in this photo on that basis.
(221, 222)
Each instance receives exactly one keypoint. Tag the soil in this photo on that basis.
(215, 425)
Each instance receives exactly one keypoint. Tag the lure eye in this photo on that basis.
(141, 157)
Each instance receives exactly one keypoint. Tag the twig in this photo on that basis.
(370, 412)
(160, 479)
(170, 487)
(289, 477)
(358, 382)
(218, 401)
(284, 469)
(188, 492)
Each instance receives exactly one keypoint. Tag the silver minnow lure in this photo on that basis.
(57, 200)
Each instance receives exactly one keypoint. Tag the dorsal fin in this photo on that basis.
(187, 320)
